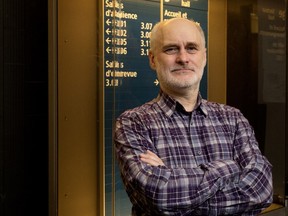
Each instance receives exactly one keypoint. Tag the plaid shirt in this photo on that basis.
(213, 165)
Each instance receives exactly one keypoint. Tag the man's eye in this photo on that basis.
(192, 49)
(171, 50)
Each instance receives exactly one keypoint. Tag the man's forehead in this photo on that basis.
(180, 38)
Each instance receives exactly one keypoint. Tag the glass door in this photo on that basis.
(256, 78)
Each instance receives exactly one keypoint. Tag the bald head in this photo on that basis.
(158, 30)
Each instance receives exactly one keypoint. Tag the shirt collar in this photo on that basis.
(169, 105)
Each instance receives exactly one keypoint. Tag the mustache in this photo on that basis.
(181, 68)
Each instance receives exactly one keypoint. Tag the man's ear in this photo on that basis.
(152, 60)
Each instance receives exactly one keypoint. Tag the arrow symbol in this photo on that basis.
(156, 82)
(108, 40)
(108, 31)
(108, 22)
(108, 50)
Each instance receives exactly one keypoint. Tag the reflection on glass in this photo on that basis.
(256, 76)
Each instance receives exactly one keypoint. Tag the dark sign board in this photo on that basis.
(272, 50)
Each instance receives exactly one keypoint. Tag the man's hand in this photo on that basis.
(151, 159)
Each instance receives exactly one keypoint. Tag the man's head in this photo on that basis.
(178, 54)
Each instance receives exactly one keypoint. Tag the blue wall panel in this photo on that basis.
(129, 81)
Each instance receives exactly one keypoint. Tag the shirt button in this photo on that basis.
(199, 152)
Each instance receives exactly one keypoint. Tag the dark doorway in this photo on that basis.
(24, 107)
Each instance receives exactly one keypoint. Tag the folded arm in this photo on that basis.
(254, 191)
(248, 195)
(159, 187)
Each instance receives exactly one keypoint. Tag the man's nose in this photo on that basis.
(183, 56)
